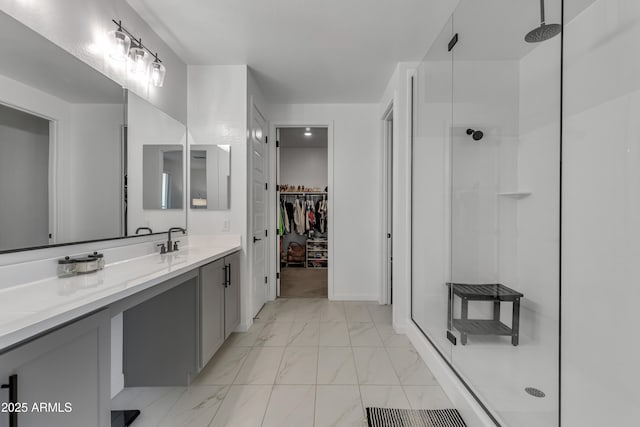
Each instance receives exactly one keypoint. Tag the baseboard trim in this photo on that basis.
(473, 414)
(354, 297)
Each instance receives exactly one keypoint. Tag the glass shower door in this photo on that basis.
(505, 214)
(430, 188)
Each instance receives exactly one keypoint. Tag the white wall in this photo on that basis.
(398, 91)
(601, 216)
(85, 39)
(304, 166)
(355, 216)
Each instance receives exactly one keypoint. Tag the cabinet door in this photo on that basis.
(232, 295)
(65, 374)
(212, 280)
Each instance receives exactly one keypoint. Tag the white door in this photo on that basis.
(389, 207)
(259, 209)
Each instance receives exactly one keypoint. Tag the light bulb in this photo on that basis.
(119, 45)
(137, 60)
(157, 72)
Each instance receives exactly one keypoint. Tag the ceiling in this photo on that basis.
(334, 51)
(30, 58)
(302, 51)
(295, 138)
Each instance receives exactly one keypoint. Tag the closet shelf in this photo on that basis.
(516, 194)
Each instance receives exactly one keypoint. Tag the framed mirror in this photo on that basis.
(210, 177)
(61, 145)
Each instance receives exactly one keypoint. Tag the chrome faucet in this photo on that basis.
(173, 246)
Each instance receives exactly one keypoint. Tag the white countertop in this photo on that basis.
(29, 309)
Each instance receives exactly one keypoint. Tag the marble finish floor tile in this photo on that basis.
(410, 367)
(274, 334)
(357, 313)
(153, 402)
(243, 406)
(196, 407)
(304, 362)
(374, 367)
(390, 338)
(381, 314)
(364, 335)
(245, 339)
(336, 366)
(223, 367)
(384, 396)
(334, 334)
(291, 406)
(332, 312)
(299, 366)
(260, 366)
(304, 334)
(427, 397)
(338, 406)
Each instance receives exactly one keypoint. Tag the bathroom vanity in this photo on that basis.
(55, 343)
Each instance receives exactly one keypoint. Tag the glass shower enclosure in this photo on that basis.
(486, 204)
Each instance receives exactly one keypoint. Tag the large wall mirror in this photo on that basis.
(60, 145)
(210, 177)
(71, 162)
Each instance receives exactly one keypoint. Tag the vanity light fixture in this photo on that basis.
(138, 59)
(125, 45)
(308, 132)
(157, 72)
(119, 43)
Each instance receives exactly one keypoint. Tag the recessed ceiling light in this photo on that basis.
(307, 129)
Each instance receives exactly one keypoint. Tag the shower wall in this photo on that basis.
(601, 210)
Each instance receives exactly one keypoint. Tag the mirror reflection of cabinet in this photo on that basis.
(210, 177)
(162, 177)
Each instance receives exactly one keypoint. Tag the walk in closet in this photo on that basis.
(303, 211)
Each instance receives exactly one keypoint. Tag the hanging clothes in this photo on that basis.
(289, 210)
(299, 216)
(285, 218)
(281, 220)
(322, 214)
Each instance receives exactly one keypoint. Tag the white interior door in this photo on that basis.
(259, 209)
(389, 207)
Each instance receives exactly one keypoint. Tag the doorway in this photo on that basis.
(302, 200)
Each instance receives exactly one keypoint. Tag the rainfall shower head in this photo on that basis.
(543, 32)
(477, 135)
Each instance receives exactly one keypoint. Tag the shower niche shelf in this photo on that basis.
(516, 194)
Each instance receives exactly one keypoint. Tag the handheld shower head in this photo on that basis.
(477, 135)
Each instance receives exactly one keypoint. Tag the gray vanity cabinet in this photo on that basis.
(219, 304)
(64, 373)
(212, 289)
(232, 295)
